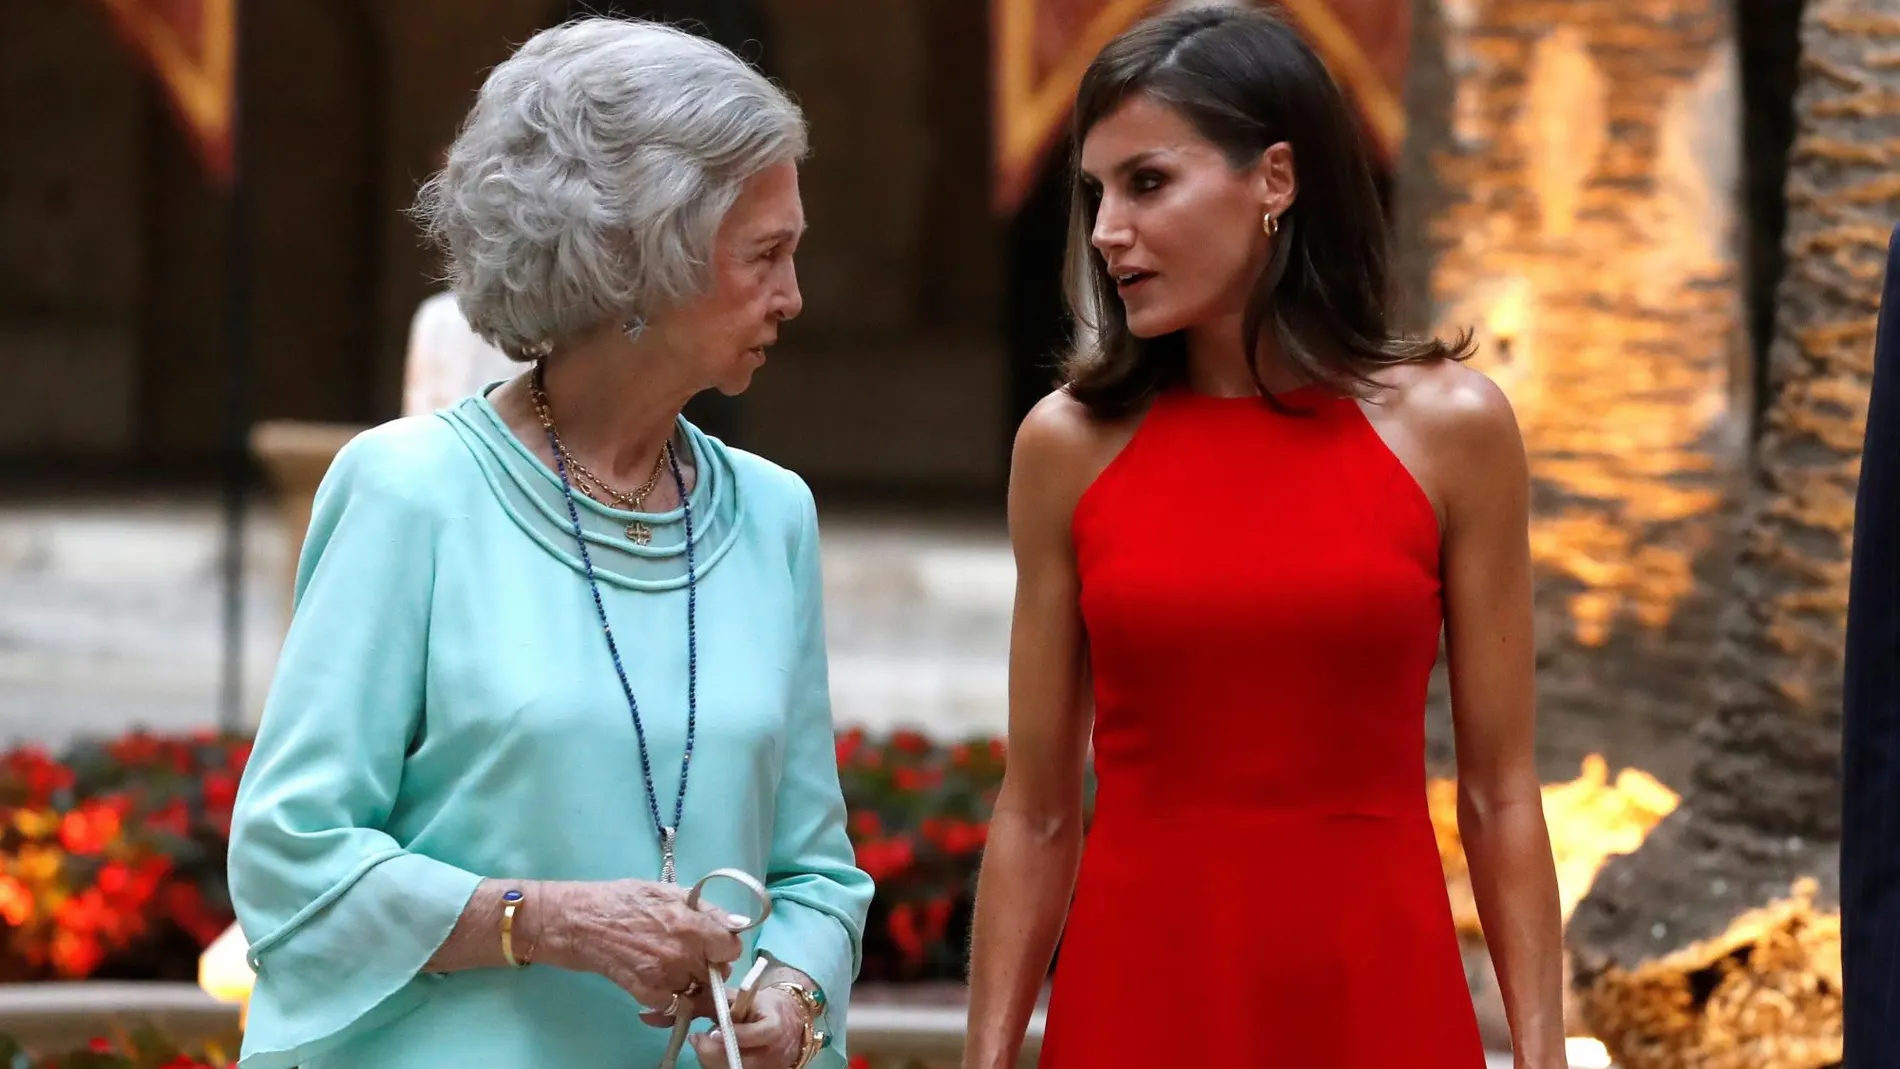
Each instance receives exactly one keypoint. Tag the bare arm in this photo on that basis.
(1035, 840)
(1491, 648)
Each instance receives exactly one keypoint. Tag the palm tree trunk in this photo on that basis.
(1569, 188)
(1717, 944)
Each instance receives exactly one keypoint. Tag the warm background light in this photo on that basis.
(1591, 819)
(222, 970)
(1586, 1053)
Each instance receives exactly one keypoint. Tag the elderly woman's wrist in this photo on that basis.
(549, 937)
(781, 973)
(808, 1004)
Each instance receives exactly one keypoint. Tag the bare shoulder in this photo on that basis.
(1061, 437)
(1453, 409)
(1453, 429)
(1061, 446)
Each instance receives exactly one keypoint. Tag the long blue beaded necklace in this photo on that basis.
(668, 833)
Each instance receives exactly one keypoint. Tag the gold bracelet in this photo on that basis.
(815, 1042)
(813, 1005)
(511, 903)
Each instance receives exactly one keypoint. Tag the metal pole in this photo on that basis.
(237, 385)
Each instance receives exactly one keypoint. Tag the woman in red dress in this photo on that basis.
(1241, 526)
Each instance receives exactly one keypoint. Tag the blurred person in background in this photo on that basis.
(447, 360)
(1240, 527)
(555, 651)
(1870, 743)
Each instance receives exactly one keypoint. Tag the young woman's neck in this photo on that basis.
(614, 405)
(1217, 361)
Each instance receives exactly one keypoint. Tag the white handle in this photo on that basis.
(722, 1009)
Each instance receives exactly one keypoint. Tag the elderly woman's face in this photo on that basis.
(754, 284)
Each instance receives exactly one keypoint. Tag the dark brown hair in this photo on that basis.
(1245, 81)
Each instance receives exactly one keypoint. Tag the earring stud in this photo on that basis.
(1269, 224)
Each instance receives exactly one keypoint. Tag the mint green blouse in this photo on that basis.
(445, 709)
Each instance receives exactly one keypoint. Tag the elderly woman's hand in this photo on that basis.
(637, 933)
(772, 1038)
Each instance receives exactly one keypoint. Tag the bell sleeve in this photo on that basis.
(341, 917)
(819, 895)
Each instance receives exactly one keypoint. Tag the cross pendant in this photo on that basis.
(640, 533)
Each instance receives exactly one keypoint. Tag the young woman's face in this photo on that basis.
(1179, 228)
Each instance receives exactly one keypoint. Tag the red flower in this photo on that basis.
(964, 837)
(858, 1061)
(151, 872)
(937, 917)
(220, 791)
(114, 878)
(881, 860)
(997, 750)
(84, 913)
(186, 906)
(961, 755)
(904, 932)
(866, 825)
(913, 780)
(849, 743)
(99, 1045)
(76, 954)
(238, 756)
(173, 818)
(910, 742)
(89, 828)
(42, 775)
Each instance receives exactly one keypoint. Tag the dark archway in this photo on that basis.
(1036, 320)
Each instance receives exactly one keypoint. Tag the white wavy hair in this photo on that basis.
(590, 178)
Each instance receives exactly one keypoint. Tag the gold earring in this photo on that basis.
(1269, 224)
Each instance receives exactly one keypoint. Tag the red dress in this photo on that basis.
(1261, 885)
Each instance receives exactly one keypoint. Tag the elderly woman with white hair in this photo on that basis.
(554, 650)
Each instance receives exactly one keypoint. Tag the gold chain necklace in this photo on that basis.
(593, 485)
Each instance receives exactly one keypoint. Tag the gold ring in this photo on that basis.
(673, 1007)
